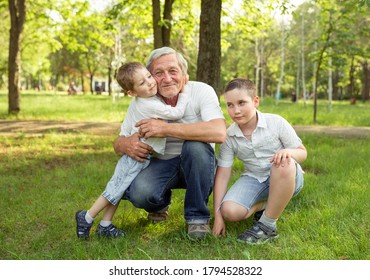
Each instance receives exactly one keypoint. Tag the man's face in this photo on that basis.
(168, 74)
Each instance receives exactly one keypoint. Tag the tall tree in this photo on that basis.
(209, 56)
(303, 62)
(282, 59)
(162, 27)
(17, 9)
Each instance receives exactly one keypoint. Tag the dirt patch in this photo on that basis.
(42, 127)
(113, 128)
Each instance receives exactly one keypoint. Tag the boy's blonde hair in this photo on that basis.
(242, 83)
(125, 75)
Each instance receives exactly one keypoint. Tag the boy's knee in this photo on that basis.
(232, 212)
(286, 171)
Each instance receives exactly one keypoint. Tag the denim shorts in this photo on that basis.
(247, 191)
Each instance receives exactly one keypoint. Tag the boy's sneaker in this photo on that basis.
(258, 234)
(83, 227)
(110, 231)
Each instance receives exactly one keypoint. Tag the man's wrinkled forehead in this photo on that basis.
(166, 62)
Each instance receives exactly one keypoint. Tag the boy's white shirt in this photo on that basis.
(203, 105)
(272, 134)
(152, 108)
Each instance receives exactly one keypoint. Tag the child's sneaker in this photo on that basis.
(83, 227)
(258, 234)
(110, 231)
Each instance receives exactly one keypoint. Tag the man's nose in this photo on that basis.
(166, 77)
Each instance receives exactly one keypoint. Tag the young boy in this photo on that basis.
(136, 80)
(270, 151)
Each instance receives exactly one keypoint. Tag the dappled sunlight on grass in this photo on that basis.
(45, 178)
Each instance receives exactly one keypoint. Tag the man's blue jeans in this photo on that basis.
(193, 170)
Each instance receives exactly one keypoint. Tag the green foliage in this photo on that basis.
(69, 39)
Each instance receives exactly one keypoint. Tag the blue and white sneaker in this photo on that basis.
(258, 234)
(110, 231)
(83, 227)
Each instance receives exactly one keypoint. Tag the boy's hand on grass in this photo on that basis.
(219, 227)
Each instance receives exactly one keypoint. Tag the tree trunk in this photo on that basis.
(297, 77)
(262, 90)
(330, 83)
(323, 50)
(17, 11)
(366, 82)
(351, 78)
(157, 30)
(258, 57)
(302, 65)
(167, 26)
(92, 83)
(82, 81)
(162, 28)
(278, 94)
(209, 55)
(335, 85)
(110, 81)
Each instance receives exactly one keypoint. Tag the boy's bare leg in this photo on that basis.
(109, 212)
(234, 212)
(282, 185)
(98, 206)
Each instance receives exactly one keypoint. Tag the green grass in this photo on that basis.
(44, 179)
(61, 107)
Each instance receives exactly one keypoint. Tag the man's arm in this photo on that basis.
(213, 131)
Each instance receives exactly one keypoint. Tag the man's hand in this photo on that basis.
(152, 128)
(133, 147)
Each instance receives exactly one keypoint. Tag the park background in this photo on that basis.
(309, 60)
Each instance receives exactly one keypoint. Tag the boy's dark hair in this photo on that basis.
(242, 83)
(125, 74)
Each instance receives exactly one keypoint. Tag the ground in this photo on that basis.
(12, 127)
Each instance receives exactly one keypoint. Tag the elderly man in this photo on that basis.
(189, 159)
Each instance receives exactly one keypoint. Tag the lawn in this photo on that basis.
(45, 178)
(62, 107)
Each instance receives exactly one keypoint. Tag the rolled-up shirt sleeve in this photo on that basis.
(226, 155)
